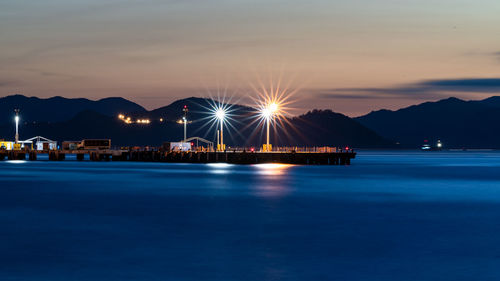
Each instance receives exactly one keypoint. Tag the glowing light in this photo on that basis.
(16, 118)
(269, 110)
(272, 169)
(125, 119)
(220, 114)
(219, 165)
(273, 107)
(273, 166)
(143, 121)
(266, 113)
(16, 161)
(219, 117)
(219, 168)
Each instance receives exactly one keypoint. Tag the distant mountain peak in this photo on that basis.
(456, 122)
(451, 99)
(82, 118)
(59, 108)
(492, 98)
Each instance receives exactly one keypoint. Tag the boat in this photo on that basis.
(427, 147)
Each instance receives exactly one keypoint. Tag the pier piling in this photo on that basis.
(32, 155)
(230, 157)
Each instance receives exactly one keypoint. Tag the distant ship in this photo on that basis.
(427, 147)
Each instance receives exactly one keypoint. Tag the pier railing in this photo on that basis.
(285, 155)
(281, 149)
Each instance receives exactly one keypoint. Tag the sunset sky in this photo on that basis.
(352, 56)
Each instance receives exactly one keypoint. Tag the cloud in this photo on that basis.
(477, 85)
(403, 92)
(427, 89)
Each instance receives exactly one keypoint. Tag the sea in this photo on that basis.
(390, 215)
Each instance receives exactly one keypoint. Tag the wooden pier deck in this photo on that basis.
(230, 157)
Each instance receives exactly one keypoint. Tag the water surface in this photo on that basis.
(389, 216)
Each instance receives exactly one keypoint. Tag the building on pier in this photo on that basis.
(7, 145)
(34, 143)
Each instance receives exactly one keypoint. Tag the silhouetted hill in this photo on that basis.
(198, 110)
(91, 124)
(491, 101)
(316, 128)
(325, 127)
(455, 122)
(57, 109)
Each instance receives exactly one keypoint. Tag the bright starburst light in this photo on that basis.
(268, 111)
(220, 114)
(273, 108)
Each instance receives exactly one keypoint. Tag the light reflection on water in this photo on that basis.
(16, 161)
(272, 169)
(219, 168)
(388, 216)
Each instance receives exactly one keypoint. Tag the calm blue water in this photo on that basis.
(389, 216)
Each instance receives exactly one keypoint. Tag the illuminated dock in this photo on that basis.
(230, 157)
(270, 111)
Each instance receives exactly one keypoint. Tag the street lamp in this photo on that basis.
(268, 113)
(17, 124)
(220, 114)
(185, 121)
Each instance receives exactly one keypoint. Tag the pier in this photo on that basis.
(184, 151)
(230, 157)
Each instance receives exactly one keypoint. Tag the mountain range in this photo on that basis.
(57, 109)
(457, 123)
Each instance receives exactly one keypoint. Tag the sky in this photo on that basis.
(351, 56)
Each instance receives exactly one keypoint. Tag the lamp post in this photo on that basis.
(17, 125)
(267, 142)
(221, 114)
(268, 113)
(184, 119)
